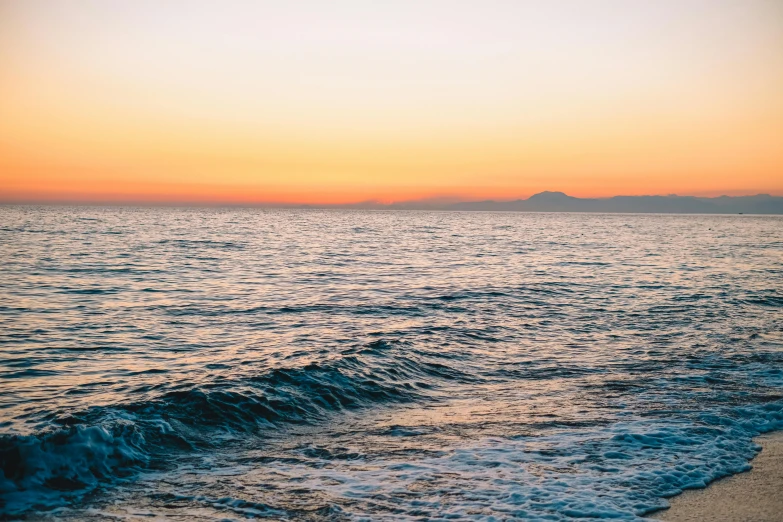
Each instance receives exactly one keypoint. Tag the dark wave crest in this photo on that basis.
(104, 443)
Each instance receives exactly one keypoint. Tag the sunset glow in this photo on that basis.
(320, 102)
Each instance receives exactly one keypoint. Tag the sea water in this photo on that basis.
(222, 364)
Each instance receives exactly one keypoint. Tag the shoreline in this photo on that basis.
(753, 496)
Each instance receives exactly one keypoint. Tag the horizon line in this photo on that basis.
(434, 202)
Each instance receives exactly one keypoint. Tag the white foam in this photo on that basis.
(621, 472)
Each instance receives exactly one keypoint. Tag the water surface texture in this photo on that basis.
(213, 364)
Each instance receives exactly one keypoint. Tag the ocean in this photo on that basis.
(225, 364)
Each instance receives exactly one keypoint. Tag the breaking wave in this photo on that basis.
(103, 443)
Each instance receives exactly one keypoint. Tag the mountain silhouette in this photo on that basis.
(550, 201)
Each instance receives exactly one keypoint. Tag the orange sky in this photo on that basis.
(313, 102)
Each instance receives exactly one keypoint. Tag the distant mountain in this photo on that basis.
(542, 202)
(560, 202)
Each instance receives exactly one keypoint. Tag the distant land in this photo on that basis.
(542, 202)
(560, 202)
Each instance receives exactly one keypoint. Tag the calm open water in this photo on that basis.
(213, 364)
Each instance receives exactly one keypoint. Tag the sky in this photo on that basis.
(344, 101)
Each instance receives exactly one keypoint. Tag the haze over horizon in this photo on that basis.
(304, 103)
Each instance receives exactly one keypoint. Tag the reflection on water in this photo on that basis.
(211, 364)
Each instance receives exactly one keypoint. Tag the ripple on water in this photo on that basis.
(312, 364)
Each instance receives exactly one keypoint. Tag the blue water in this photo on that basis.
(216, 364)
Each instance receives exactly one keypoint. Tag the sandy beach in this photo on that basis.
(755, 496)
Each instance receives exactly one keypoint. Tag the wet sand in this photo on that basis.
(754, 496)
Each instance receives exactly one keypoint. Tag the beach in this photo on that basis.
(755, 496)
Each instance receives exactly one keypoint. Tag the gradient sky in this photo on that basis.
(342, 101)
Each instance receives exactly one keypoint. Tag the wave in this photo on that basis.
(623, 471)
(49, 468)
(88, 448)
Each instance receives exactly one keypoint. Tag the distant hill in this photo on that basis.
(560, 202)
(542, 202)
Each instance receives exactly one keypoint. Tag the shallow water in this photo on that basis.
(221, 364)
